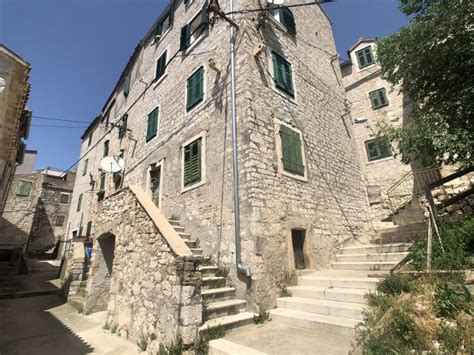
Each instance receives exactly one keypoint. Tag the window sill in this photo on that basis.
(192, 187)
(195, 43)
(379, 107)
(193, 108)
(157, 41)
(287, 96)
(149, 141)
(280, 26)
(359, 69)
(303, 178)
(157, 82)
(375, 161)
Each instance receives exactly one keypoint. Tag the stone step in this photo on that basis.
(370, 265)
(173, 222)
(353, 295)
(190, 243)
(222, 293)
(208, 270)
(76, 302)
(376, 248)
(179, 229)
(224, 308)
(225, 347)
(185, 236)
(7, 290)
(366, 283)
(324, 307)
(396, 257)
(321, 323)
(196, 251)
(229, 322)
(211, 281)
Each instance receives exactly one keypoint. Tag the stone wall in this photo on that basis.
(151, 295)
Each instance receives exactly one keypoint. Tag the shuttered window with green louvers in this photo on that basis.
(102, 182)
(123, 127)
(292, 154)
(152, 126)
(106, 148)
(160, 66)
(378, 98)
(365, 57)
(24, 188)
(192, 162)
(282, 73)
(194, 29)
(126, 84)
(287, 19)
(378, 148)
(195, 89)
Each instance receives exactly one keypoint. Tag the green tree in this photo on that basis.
(432, 62)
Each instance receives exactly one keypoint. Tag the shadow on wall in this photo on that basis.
(11, 235)
(42, 233)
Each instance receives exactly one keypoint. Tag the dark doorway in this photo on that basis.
(155, 181)
(298, 237)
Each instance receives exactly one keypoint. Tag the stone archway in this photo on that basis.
(101, 273)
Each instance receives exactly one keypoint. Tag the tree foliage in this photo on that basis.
(432, 62)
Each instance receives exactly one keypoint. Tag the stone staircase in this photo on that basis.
(8, 273)
(221, 308)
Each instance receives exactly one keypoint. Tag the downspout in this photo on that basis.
(244, 269)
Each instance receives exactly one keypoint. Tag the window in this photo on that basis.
(378, 148)
(292, 155)
(283, 74)
(152, 127)
(89, 228)
(192, 162)
(60, 221)
(195, 89)
(365, 57)
(160, 66)
(64, 198)
(106, 148)
(123, 127)
(102, 182)
(23, 188)
(84, 168)
(285, 17)
(106, 121)
(378, 98)
(126, 84)
(79, 202)
(90, 140)
(163, 26)
(193, 30)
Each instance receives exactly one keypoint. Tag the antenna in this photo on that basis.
(112, 163)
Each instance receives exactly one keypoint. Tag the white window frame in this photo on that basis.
(201, 36)
(161, 164)
(64, 194)
(201, 135)
(356, 61)
(204, 98)
(272, 72)
(162, 36)
(279, 152)
(165, 74)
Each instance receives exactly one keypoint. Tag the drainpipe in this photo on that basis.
(244, 269)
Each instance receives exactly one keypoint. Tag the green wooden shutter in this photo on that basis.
(102, 182)
(79, 202)
(285, 134)
(287, 19)
(84, 169)
(283, 74)
(160, 66)
(24, 188)
(185, 37)
(192, 163)
(361, 59)
(365, 57)
(292, 154)
(126, 84)
(106, 148)
(195, 89)
(152, 126)
(378, 98)
(297, 156)
(204, 16)
(123, 127)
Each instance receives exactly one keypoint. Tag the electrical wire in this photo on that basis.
(277, 7)
(53, 126)
(57, 119)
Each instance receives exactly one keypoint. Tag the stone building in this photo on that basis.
(36, 211)
(301, 188)
(14, 117)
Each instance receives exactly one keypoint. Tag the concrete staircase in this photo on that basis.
(220, 306)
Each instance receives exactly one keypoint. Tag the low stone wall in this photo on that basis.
(460, 209)
(76, 268)
(153, 294)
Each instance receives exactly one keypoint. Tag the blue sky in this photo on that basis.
(78, 48)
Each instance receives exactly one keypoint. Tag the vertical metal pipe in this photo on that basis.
(235, 168)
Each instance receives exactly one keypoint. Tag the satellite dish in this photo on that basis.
(276, 2)
(112, 163)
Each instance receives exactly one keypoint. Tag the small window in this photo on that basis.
(106, 121)
(378, 98)
(60, 221)
(84, 168)
(285, 17)
(160, 66)
(64, 198)
(89, 228)
(24, 188)
(292, 154)
(152, 127)
(365, 57)
(79, 202)
(90, 140)
(192, 163)
(102, 182)
(163, 26)
(126, 84)
(378, 148)
(193, 30)
(282, 73)
(106, 148)
(195, 89)
(123, 126)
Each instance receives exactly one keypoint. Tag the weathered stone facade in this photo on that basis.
(327, 204)
(380, 174)
(36, 221)
(150, 293)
